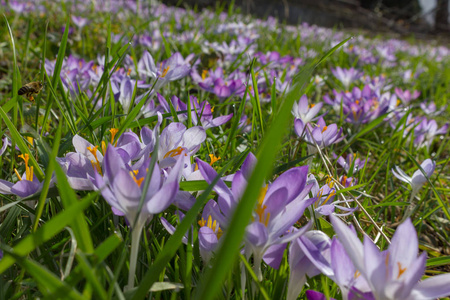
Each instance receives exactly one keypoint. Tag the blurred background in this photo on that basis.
(403, 17)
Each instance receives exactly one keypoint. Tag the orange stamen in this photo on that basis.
(213, 159)
(174, 152)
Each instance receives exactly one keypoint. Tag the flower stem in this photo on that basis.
(135, 238)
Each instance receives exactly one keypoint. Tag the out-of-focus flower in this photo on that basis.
(301, 110)
(395, 273)
(346, 76)
(314, 295)
(351, 164)
(80, 22)
(418, 178)
(329, 257)
(201, 113)
(406, 96)
(426, 131)
(430, 108)
(174, 68)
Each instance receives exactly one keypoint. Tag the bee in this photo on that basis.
(209, 61)
(31, 88)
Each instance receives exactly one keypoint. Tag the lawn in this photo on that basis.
(156, 152)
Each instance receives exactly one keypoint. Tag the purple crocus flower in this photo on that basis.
(176, 139)
(301, 110)
(346, 76)
(418, 178)
(351, 164)
(426, 131)
(122, 188)
(430, 108)
(202, 110)
(209, 233)
(329, 257)
(313, 295)
(81, 165)
(396, 272)
(174, 68)
(17, 6)
(325, 203)
(406, 96)
(320, 135)
(280, 205)
(300, 265)
(27, 185)
(80, 22)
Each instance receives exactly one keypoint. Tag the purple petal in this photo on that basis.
(256, 234)
(350, 242)
(207, 239)
(25, 188)
(274, 255)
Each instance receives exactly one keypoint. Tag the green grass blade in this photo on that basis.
(47, 231)
(69, 199)
(225, 256)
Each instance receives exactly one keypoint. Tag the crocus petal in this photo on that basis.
(274, 255)
(248, 165)
(162, 199)
(193, 137)
(81, 146)
(375, 267)
(404, 244)
(207, 239)
(313, 295)
(220, 188)
(25, 188)
(293, 181)
(5, 187)
(314, 250)
(256, 234)
(284, 220)
(350, 242)
(432, 288)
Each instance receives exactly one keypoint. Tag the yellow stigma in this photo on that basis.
(96, 163)
(324, 129)
(212, 225)
(312, 105)
(134, 174)
(400, 270)
(213, 159)
(260, 208)
(212, 109)
(174, 152)
(113, 131)
(28, 170)
(204, 73)
(164, 72)
(129, 72)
